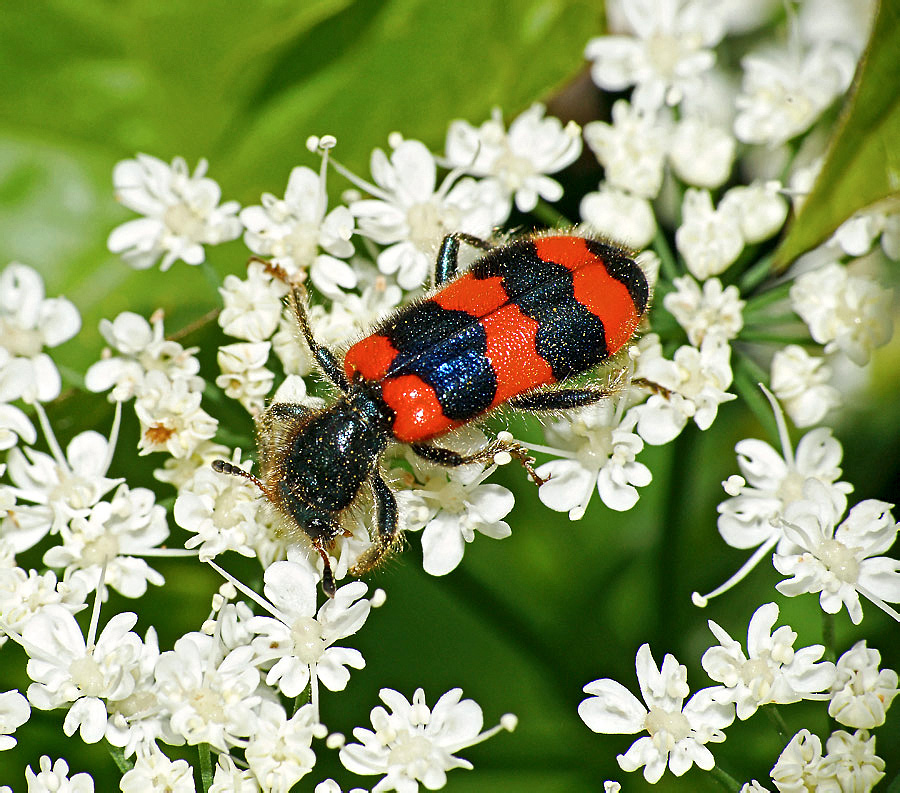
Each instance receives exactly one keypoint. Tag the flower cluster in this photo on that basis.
(701, 161)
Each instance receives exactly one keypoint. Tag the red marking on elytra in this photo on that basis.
(476, 296)
(417, 412)
(511, 349)
(371, 357)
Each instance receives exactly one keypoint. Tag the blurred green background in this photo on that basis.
(524, 623)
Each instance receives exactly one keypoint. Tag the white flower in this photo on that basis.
(520, 159)
(851, 763)
(300, 641)
(840, 563)
(759, 207)
(770, 483)
(14, 712)
(212, 696)
(29, 322)
(144, 348)
(632, 150)
(701, 153)
(696, 380)
(181, 213)
(14, 424)
(251, 308)
(179, 472)
(800, 382)
(862, 693)
(244, 375)
(171, 417)
(228, 778)
(67, 668)
(708, 239)
(678, 732)
(784, 92)
(53, 777)
(753, 787)
(799, 767)
(771, 671)
(844, 21)
(23, 593)
(411, 216)
(154, 771)
(292, 231)
(279, 752)
(222, 512)
(627, 219)
(139, 720)
(598, 452)
(451, 507)
(670, 49)
(112, 537)
(59, 487)
(713, 310)
(856, 235)
(413, 744)
(844, 312)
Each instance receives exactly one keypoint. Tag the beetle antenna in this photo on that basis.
(225, 467)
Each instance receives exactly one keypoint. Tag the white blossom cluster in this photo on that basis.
(682, 156)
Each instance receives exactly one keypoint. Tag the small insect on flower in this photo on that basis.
(526, 315)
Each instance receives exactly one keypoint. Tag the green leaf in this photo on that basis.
(863, 164)
(242, 84)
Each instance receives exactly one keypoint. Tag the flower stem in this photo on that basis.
(550, 215)
(725, 779)
(206, 774)
(777, 338)
(667, 264)
(212, 277)
(765, 299)
(778, 721)
(118, 756)
(828, 636)
(754, 275)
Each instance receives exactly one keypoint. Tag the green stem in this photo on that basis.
(212, 277)
(778, 721)
(667, 265)
(761, 319)
(725, 779)
(118, 756)
(776, 338)
(754, 275)
(747, 377)
(767, 298)
(670, 594)
(550, 216)
(206, 773)
(828, 637)
(302, 698)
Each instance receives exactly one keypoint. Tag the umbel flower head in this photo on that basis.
(677, 731)
(413, 743)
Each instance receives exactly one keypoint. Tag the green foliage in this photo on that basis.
(863, 163)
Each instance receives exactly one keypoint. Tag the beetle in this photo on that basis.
(526, 315)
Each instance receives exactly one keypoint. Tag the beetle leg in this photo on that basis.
(324, 357)
(563, 399)
(388, 531)
(448, 257)
(328, 586)
(486, 455)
